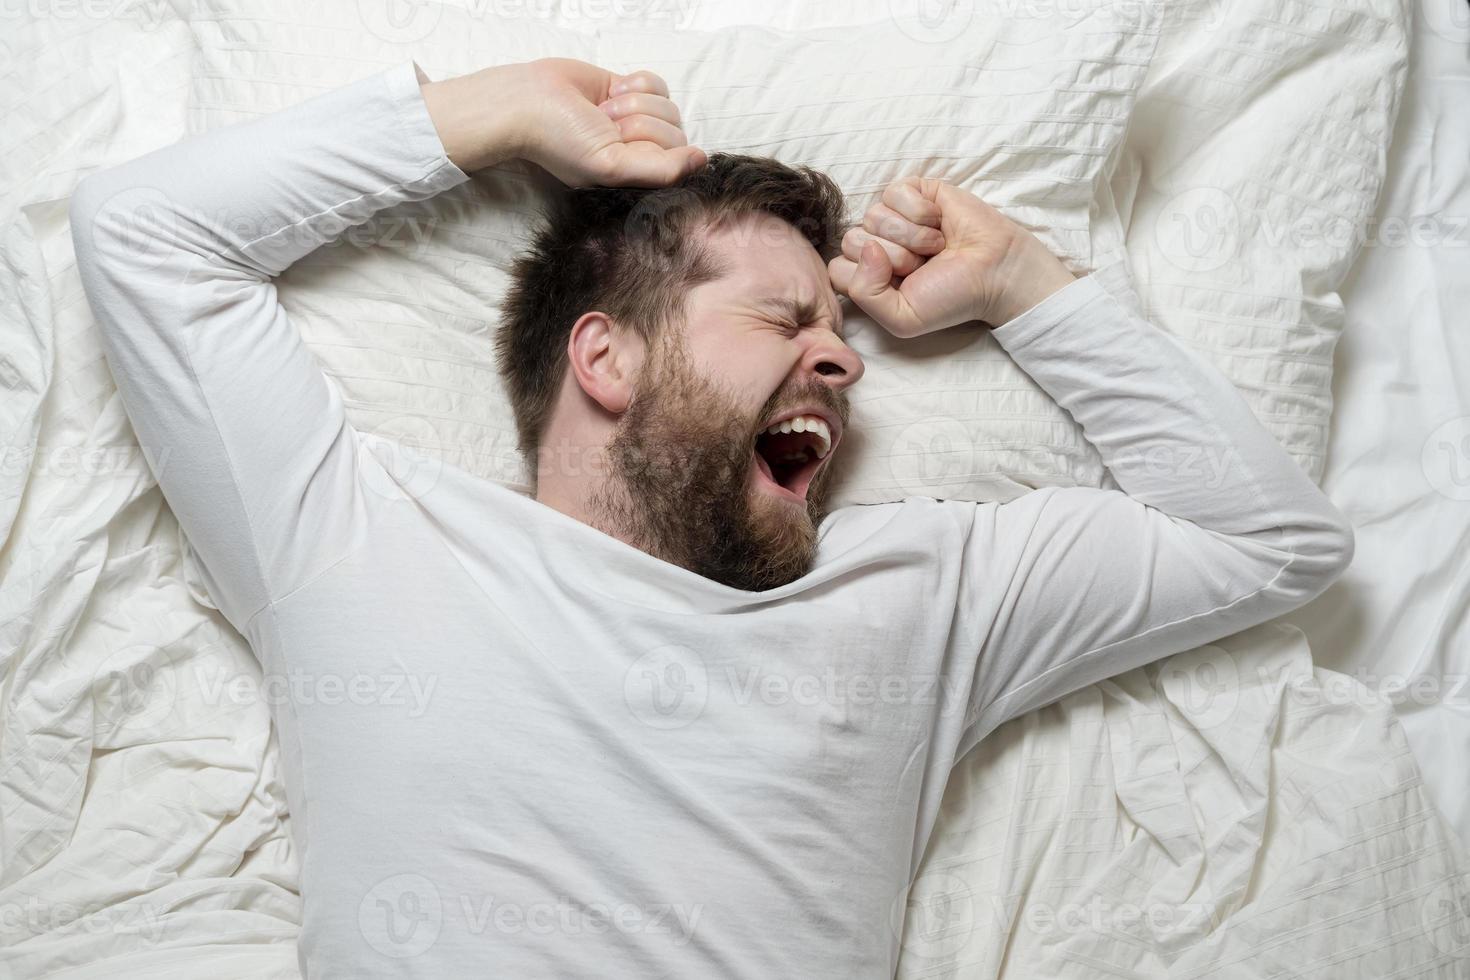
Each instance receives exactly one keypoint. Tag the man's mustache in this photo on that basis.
(814, 393)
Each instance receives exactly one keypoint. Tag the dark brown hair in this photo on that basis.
(633, 253)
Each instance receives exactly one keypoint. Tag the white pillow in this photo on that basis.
(1026, 105)
(1251, 174)
(1024, 116)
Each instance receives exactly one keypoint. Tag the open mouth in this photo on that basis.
(790, 452)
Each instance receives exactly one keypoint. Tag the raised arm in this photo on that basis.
(1216, 528)
(177, 249)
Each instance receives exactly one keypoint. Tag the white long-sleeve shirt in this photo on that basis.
(518, 747)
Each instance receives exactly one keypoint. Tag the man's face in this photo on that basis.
(704, 483)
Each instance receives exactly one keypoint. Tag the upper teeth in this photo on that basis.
(806, 423)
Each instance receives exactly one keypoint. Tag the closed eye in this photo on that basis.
(791, 328)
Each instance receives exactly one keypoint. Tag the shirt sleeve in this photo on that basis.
(1215, 528)
(176, 251)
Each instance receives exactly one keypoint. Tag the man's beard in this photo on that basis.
(680, 463)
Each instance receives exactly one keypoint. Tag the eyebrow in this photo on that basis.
(800, 310)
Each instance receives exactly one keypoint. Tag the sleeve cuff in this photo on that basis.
(406, 95)
(1059, 306)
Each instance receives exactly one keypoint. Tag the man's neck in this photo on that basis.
(579, 501)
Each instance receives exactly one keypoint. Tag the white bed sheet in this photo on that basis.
(1399, 458)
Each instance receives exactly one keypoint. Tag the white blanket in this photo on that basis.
(1215, 814)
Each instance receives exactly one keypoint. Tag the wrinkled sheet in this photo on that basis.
(1399, 466)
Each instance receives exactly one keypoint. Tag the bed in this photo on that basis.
(1287, 802)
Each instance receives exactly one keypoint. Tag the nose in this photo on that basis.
(836, 363)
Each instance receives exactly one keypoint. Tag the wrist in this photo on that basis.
(474, 116)
(1027, 275)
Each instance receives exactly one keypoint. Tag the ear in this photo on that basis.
(604, 361)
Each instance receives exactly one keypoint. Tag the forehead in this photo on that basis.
(768, 262)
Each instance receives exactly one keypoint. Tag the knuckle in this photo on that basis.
(882, 224)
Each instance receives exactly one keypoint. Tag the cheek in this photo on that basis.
(750, 370)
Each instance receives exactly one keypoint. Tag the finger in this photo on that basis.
(841, 270)
(884, 222)
(645, 164)
(642, 80)
(636, 129)
(908, 199)
(903, 261)
(871, 287)
(641, 104)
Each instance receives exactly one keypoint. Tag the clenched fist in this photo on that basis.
(584, 124)
(930, 255)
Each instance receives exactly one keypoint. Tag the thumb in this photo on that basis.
(646, 164)
(872, 290)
